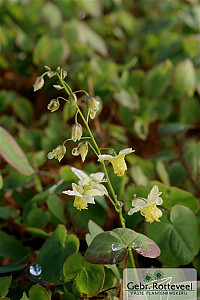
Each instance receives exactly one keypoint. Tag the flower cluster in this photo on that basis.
(90, 186)
(87, 188)
(147, 207)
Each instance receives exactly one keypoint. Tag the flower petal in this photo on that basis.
(126, 151)
(88, 199)
(77, 188)
(139, 203)
(80, 174)
(97, 176)
(94, 192)
(132, 211)
(154, 194)
(159, 201)
(72, 193)
(105, 157)
(101, 188)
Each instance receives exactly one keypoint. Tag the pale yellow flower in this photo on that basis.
(147, 207)
(118, 161)
(83, 195)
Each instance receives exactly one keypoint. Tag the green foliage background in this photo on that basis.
(141, 58)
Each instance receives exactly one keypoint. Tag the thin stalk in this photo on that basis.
(76, 117)
(67, 85)
(81, 91)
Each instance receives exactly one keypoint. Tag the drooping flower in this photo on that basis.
(83, 195)
(118, 161)
(147, 207)
(94, 180)
(77, 132)
(93, 106)
(72, 99)
(39, 82)
(53, 105)
(81, 150)
(58, 153)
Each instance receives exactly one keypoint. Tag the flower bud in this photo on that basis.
(93, 106)
(77, 132)
(39, 82)
(64, 74)
(58, 153)
(82, 150)
(73, 99)
(50, 74)
(53, 105)
(58, 69)
(47, 68)
(58, 87)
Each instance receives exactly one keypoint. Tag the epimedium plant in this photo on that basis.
(104, 248)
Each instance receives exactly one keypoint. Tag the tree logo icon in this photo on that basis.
(157, 275)
(147, 277)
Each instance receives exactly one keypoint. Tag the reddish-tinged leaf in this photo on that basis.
(13, 154)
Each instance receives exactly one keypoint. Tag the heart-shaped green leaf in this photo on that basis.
(88, 278)
(37, 292)
(24, 297)
(111, 247)
(94, 230)
(54, 252)
(5, 283)
(110, 279)
(13, 154)
(177, 236)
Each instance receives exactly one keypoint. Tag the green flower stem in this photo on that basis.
(59, 97)
(63, 84)
(117, 206)
(93, 149)
(67, 85)
(131, 257)
(81, 91)
(76, 117)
